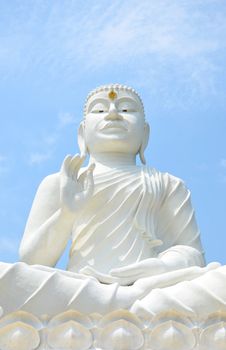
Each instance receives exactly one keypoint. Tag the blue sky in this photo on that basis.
(173, 52)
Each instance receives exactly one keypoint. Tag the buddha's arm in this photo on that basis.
(48, 227)
(177, 226)
(55, 207)
(170, 260)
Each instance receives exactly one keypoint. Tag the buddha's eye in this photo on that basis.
(127, 110)
(126, 107)
(99, 108)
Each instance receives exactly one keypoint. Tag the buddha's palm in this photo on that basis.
(75, 191)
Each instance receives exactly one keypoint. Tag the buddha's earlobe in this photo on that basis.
(81, 139)
(144, 142)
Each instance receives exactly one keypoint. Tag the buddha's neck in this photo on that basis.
(111, 160)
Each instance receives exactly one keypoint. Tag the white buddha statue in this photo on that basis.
(133, 229)
(126, 221)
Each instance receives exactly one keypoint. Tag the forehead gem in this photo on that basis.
(112, 95)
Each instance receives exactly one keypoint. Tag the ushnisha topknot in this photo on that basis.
(112, 87)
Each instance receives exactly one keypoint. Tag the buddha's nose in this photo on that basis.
(113, 113)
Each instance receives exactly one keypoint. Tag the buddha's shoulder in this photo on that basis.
(165, 177)
(50, 182)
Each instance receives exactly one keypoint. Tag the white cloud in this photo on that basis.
(49, 142)
(37, 158)
(66, 118)
(72, 40)
(51, 139)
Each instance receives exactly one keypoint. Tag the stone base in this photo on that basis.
(45, 309)
(118, 330)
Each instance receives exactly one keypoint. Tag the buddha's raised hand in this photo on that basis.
(74, 190)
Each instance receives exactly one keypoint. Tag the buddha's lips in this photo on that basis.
(113, 125)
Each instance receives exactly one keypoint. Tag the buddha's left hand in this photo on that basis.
(144, 268)
(124, 275)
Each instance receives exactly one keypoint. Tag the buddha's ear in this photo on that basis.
(144, 142)
(81, 139)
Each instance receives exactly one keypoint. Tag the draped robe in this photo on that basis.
(135, 213)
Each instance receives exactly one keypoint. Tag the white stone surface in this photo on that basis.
(135, 247)
(126, 221)
(120, 329)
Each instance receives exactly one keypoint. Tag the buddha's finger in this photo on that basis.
(65, 165)
(74, 169)
(102, 277)
(87, 270)
(132, 269)
(126, 281)
(77, 165)
(89, 181)
(127, 271)
(74, 165)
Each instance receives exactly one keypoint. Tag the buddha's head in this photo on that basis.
(114, 121)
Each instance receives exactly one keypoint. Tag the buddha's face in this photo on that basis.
(114, 122)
